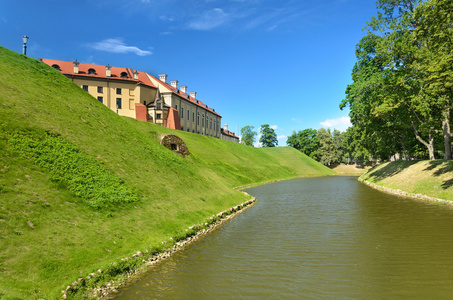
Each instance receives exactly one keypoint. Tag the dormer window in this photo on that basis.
(92, 71)
(56, 67)
(124, 75)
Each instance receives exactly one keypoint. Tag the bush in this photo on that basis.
(81, 174)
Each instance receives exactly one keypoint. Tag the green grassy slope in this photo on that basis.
(431, 178)
(81, 187)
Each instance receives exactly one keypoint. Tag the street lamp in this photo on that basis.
(24, 50)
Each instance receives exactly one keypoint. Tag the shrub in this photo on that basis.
(81, 174)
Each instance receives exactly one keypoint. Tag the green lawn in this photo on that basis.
(433, 178)
(81, 187)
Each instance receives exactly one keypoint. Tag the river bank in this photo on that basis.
(423, 180)
(144, 261)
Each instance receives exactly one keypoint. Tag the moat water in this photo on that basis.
(315, 238)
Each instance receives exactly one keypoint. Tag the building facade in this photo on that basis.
(227, 135)
(142, 96)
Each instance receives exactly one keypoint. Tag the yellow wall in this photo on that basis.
(131, 93)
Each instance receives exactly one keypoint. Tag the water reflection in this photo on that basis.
(315, 238)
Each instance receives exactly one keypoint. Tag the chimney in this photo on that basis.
(108, 71)
(163, 77)
(174, 83)
(76, 67)
(225, 127)
(183, 88)
(136, 75)
(193, 95)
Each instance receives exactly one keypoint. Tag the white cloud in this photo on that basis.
(209, 20)
(118, 46)
(275, 127)
(296, 120)
(339, 123)
(281, 137)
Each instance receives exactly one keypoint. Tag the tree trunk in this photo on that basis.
(447, 133)
(405, 152)
(429, 145)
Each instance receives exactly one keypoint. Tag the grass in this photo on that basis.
(431, 178)
(81, 187)
(343, 169)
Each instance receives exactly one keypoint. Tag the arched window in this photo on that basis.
(92, 71)
(124, 75)
(57, 67)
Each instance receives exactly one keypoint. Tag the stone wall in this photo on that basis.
(175, 144)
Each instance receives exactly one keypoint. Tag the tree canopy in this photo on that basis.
(248, 135)
(268, 136)
(402, 80)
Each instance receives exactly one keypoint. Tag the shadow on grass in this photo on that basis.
(441, 167)
(391, 169)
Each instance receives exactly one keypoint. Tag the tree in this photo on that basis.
(435, 60)
(327, 151)
(268, 136)
(390, 96)
(305, 141)
(248, 135)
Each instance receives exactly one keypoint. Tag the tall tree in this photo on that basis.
(435, 60)
(327, 151)
(268, 136)
(306, 141)
(388, 94)
(248, 135)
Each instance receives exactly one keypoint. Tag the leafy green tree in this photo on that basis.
(434, 33)
(354, 150)
(338, 137)
(327, 151)
(389, 98)
(248, 135)
(306, 141)
(268, 136)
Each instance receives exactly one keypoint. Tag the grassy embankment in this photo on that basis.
(81, 187)
(431, 178)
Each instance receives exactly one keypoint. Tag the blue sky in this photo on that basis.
(285, 63)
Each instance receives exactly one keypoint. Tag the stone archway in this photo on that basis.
(175, 144)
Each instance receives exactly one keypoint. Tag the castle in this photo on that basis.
(144, 97)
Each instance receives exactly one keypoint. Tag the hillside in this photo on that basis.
(433, 178)
(81, 187)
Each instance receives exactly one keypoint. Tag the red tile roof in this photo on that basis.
(229, 133)
(180, 93)
(67, 68)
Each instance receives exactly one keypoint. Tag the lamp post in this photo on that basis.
(24, 49)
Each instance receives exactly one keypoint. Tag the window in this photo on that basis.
(57, 67)
(131, 104)
(100, 89)
(124, 75)
(85, 87)
(182, 113)
(119, 103)
(101, 99)
(198, 119)
(176, 106)
(92, 71)
(193, 117)
(118, 91)
(158, 116)
(174, 147)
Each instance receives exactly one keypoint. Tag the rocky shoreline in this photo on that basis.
(405, 194)
(147, 260)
